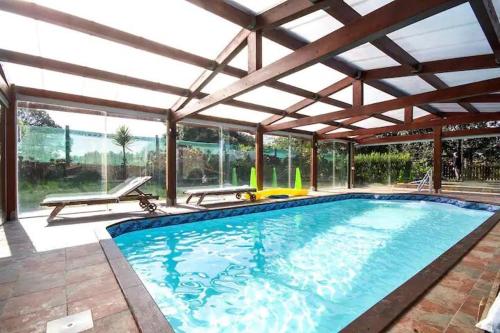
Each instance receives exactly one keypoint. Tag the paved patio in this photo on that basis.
(50, 271)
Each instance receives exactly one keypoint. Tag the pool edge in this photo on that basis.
(379, 317)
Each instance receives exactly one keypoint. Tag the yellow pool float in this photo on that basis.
(292, 192)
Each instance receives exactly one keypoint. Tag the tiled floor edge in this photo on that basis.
(389, 309)
(146, 313)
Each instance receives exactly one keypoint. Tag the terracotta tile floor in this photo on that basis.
(47, 272)
(36, 287)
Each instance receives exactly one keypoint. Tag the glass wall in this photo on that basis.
(391, 165)
(300, 160)
(284, 157)
(68, 152)
(332, 165)
(239, 157)
(276, 162)
(198, 157)
(472, 164)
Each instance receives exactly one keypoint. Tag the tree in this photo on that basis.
(124, 139)
(35, 118)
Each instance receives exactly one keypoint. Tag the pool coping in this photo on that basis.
(149, 317)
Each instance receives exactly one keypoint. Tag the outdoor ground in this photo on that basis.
(50, 271)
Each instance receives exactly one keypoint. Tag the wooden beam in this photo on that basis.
(10, 155)
(288, 11)
(471, 133)
(408, 114)
(314, 163)
(76, 23)
(346, 14)
(171, 167)
(68, 68)
(462, 91)
(488, 19)
(287, 39)
(259, 157)
(357, 93)
(437, 160)
(490, 98)
(432, 67)
(337, 86)
(455, 120)
(254, 42)
(64, 67)
(390, 17)
(228, 54)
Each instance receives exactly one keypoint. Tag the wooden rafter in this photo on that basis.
(67, 68)
(282, 37)
(254, 51)
(490, 98)
(442, 95)
(390, 17)
(288, 11)
(76, 23)
(224, 57)
(54, 95)
(474, 132)
(346, 15)
(438, 66)
(488, 19)
(455, 120)
(331, 89)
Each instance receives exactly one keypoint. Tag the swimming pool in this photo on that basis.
(311, 268)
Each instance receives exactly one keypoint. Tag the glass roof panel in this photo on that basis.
(487, 107)
(366, 6)
(397, 114)
(373, 95)
(448, 107)
(418, 112)
(340, 130)
(270, 97)
(272, 51)
(220, 81)
(284, 120)
(313, 26)
(458, 78)
(71, 84)
(367, 57)
(344, 95)
(314, 78)
(241, 59)
(312, 128)
(450, 34)
(231, 112)
(372, 123)
(410, 84)
(162, 21)
(255, 6)
(78, 48)
(318, 108)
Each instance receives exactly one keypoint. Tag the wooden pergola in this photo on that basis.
(342, 123)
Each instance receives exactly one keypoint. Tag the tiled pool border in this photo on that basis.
(150, 319)
(181, 218)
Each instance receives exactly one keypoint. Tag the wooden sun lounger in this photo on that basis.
(127, 191)
(238, 190)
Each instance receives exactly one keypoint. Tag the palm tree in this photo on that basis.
(124, 139)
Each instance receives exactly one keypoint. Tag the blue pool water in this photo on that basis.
(312, 268)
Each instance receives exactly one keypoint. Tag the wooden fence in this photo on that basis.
(474, 173)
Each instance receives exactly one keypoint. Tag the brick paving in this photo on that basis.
(36, 287)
